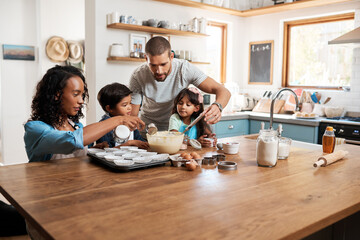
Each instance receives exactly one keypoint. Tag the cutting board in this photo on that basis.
(264, 105)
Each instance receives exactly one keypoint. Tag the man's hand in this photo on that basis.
(213, 114)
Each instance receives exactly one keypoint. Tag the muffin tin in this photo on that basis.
(127, 160)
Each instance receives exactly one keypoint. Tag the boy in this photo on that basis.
(115, 100)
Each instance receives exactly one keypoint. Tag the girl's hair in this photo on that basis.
(112, 94)
(45, 105)
(194, 99)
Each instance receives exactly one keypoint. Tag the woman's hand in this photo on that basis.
(132, 122)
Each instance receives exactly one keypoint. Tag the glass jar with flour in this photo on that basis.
(267, 146)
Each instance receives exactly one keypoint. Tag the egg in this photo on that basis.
(187, 157)
(195, 155)
(190, 166)
(182, 155)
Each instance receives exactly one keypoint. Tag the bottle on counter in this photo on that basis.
(328, 140)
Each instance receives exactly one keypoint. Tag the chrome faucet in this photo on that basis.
(273, 100)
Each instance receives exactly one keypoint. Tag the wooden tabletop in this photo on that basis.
(79, 199)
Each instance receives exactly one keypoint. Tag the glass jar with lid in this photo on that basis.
(267, 147)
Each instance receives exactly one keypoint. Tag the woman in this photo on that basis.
(54, 130)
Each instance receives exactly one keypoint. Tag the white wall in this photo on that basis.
(103, 72)
(270, 27)
(29, 22)
(18, 26)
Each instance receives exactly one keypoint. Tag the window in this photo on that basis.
(309, 61)
(216, 50)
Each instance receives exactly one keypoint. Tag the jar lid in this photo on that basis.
(227, 165)
(195, 143)
(329, 128)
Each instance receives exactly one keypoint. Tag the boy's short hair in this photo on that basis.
(112, 94)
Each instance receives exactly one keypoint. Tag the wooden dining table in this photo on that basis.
(78, 198)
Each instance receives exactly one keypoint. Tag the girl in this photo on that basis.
(54, 130)
(188, 105)
(115, 100)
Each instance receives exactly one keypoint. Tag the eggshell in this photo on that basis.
(195, 155)
(187, 157)
(190, 166)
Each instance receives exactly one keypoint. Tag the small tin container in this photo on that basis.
(227, 165)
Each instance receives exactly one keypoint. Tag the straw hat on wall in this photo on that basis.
(76, 51)
(57, 49)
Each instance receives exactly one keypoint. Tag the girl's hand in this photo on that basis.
(204, 142)
(213, 136)
(138, 143)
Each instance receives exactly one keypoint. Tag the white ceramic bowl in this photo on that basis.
(331, 112)
(165, 141)
(231, 147)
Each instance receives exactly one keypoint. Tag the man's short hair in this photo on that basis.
(157, 46)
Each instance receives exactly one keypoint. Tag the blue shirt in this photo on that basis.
(43, 140)
(109, 137)
(175, 123)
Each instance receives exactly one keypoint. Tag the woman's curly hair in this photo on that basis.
(46, 104)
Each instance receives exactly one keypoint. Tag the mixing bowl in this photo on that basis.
(165, 141)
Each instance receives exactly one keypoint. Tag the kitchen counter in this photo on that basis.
(280, 118)
(76, 198)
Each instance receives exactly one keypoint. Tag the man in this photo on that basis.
(156, 83)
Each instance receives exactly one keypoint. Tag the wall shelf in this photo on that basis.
(258, 11)
(141, 28)
(129, 59)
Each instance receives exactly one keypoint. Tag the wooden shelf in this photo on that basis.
(129, 59)
(258, 11)
(141, 28)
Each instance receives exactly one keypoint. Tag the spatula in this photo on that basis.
(194, 122)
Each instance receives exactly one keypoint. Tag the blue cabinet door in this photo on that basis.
(297, 132)
(231, 128)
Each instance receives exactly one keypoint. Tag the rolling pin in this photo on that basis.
(330, 158)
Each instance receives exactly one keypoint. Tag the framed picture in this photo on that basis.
(261, 62)
(18, 52)
(137, 42)
(167, 37)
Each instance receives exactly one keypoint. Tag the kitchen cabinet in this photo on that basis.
(231, 128)
(296, 132)
(257, 11)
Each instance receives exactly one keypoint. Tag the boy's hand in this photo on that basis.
(101, 145)
(138, 143)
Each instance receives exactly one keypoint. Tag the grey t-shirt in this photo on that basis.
(157, 98)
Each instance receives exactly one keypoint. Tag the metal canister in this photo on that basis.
(195, 25)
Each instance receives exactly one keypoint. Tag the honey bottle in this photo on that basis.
(328, 140)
